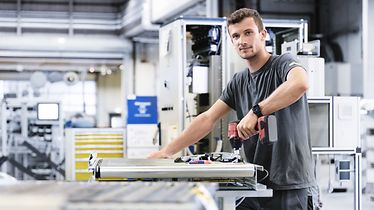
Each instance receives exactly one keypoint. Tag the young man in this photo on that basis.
(271, 85)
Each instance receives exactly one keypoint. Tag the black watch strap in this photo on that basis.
(257, 111)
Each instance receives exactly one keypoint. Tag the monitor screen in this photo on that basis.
(48, 111)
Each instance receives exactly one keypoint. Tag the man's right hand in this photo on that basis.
(247, 126)
(159, 155)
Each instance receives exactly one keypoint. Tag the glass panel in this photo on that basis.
(319, 124)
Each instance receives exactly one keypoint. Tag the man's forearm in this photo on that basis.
(199, 128)
(285, 95)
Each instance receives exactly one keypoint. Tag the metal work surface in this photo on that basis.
(142, 168)
(108, 195)
(237, 179)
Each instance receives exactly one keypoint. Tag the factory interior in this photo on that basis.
(90, 88)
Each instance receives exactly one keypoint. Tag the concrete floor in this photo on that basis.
(344, 201)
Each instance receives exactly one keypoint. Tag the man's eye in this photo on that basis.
(248, 33)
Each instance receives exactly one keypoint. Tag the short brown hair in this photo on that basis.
(242, 13)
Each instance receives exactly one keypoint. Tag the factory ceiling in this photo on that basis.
(75, 34)
(61, 35)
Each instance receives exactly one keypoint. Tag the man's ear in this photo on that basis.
(263, 34)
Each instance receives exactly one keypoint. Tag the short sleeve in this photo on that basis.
(228, 95)
(285, 63)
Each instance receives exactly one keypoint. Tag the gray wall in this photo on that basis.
(340, 21)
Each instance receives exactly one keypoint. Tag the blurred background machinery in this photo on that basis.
(32, 139)
(336, 145)
(193, 61)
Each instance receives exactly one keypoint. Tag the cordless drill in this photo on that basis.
(267, 130)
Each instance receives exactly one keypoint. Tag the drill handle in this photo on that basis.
(268, 131)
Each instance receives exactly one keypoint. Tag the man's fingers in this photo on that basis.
(242, 131)
(151, 156)
(242, 135)
(158, 155)
(245, 133)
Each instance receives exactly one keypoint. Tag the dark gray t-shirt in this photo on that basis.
(289, 160)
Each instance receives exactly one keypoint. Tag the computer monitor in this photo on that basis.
(48, 111)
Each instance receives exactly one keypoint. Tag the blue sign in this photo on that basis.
(142, 110)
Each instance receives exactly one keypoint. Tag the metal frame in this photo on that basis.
(324, 100)
(44, 157)
(301, 24)
(357, 168)
(175, 62)
(19, 167)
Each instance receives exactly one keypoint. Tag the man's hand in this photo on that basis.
(247, 126)
(159, 155)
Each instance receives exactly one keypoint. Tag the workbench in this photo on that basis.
(241, 177)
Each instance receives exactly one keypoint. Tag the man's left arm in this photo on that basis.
(286, 94)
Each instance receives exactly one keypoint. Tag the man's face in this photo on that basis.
(246, 38)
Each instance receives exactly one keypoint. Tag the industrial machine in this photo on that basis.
(281, 31)
(32, 133)
(193, 61)
(334, 122)
(315, 67)
(336, 145)
(308, 57)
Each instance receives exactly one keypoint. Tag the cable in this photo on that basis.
(189, 116)
(205, 197)
(188, 151)
(263, 178)
(219, 42)
(239, 201)
(190, 67)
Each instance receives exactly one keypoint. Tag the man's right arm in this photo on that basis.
(198, 128)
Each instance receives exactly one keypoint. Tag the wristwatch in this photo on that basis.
(257, 111)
